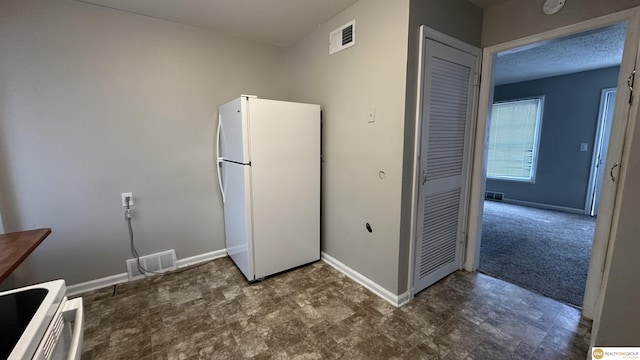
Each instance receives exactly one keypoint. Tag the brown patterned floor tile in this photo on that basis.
(566, 340)
(311, 318)
(490, 350)
(426, 351)
(400, 331)
(459, 334)
(251, 344)
(309, 348)
(548, 350)
(160, 355)
(277, 314)
(182, 350)
(378, 346)
(315, 312)
(326, 338)
(457, 354)
(525, 350)
(519, 329)
(380, 305)
(227, 354)
(285, 335)
(87, 354)
(506, 340)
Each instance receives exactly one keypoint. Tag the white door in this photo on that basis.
(447, 104)
(607, 104)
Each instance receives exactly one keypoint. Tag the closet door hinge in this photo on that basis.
(630, 80)
(476, 79)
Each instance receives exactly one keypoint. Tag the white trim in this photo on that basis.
(633, 36)
(580, 27)
(445, 39)
(416, 164)
(83, 287)
(77, 289)
(198, 259)
(391, 298)
(606, 225)
(542, 206)
(403, 299)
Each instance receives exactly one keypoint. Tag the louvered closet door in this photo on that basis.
(446, 108)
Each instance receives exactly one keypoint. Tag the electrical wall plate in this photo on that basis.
(551, 7)
(123, 197)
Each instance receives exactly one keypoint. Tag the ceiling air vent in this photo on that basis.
(342, 37)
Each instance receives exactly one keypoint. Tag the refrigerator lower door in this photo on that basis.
(237, 216)
(285, 184)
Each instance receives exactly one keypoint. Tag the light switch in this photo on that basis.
(584, 147)
(371, 118)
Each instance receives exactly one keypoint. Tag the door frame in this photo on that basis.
(606, 229)
(428, 32)
(597, 150)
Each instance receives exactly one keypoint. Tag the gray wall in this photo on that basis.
(570, 117)
(519, 18)
(95, 102)
(369, 74)
(459, 19)
(353, 194)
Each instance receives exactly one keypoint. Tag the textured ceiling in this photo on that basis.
(276, 22)
(587, 51)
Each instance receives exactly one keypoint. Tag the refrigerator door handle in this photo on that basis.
(219, 159)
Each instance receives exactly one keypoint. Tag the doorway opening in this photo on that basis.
(543, 134)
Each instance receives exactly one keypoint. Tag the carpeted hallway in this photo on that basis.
(542, 250)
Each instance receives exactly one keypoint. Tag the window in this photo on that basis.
(514, 134)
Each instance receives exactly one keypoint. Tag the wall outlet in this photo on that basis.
(124, 198)
(371, 116)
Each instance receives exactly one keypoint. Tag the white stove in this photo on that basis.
(39, 322)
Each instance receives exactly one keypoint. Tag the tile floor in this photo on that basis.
(315, 312)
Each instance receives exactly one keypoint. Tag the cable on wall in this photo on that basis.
(134, 252)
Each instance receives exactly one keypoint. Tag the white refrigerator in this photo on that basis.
(269, 176)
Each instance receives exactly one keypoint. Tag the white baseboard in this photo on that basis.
(77, 289)
(197, 259)
(403, 298)
(543, 206)
(391, 298)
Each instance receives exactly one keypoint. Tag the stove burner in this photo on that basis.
(16, 310)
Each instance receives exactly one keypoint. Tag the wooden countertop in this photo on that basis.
(15, 247)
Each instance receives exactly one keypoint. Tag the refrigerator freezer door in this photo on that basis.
(233, 133)
(285, 184)
(237, 216)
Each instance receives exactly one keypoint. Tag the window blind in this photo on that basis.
(513, 139)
